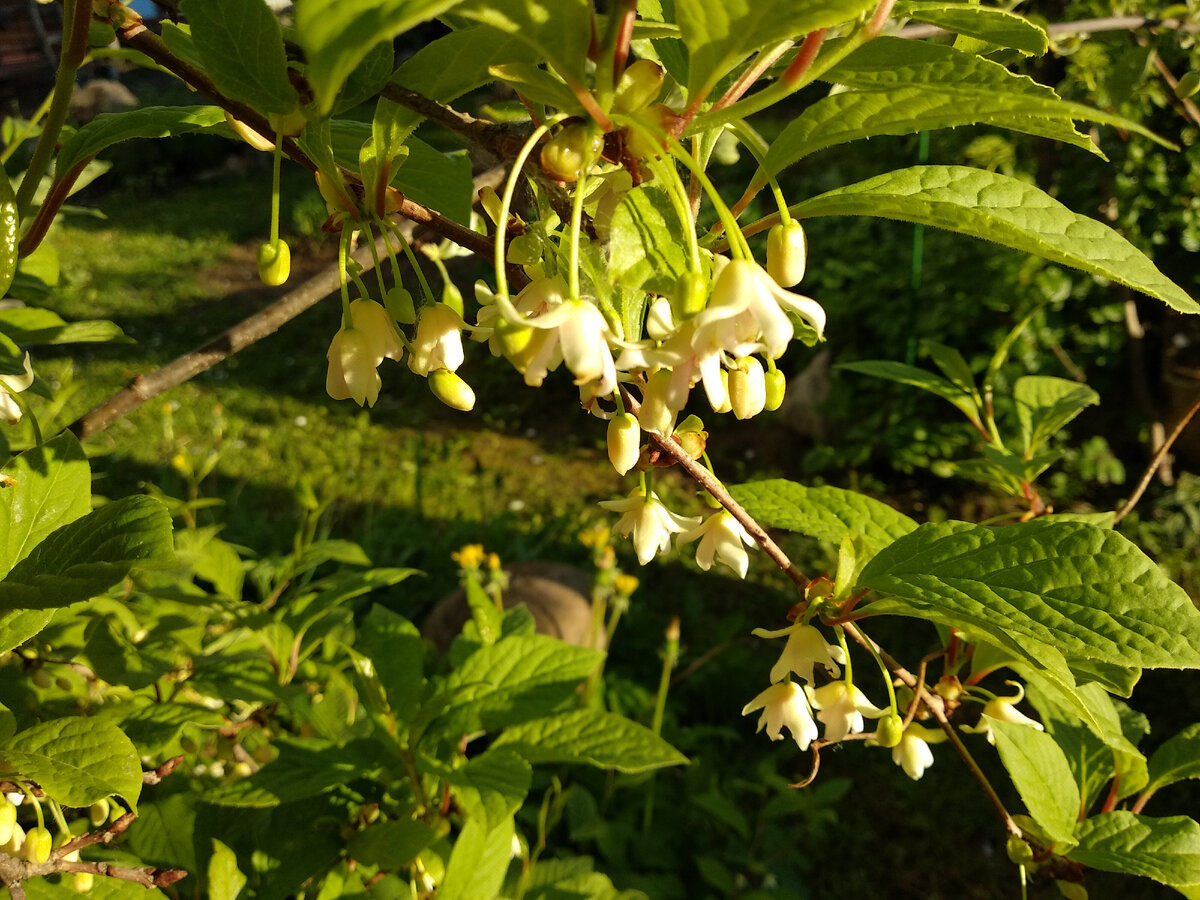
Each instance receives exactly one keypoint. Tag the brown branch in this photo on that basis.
(155, 776)
(104, 835)
(756, 70)
(1157, 461)
(499, 140)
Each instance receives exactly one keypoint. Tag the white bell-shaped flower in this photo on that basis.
(721, 537)
(841, 707)
(784, 705)
(649, 521)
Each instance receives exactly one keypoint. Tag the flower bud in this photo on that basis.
(248, 134)
(747, 388)
(787, 252)
(491, 203)
(659, 324)
(524, 250)
(399, 304)
(514, 339)
(8, 820)
(451, 390)
(658, 117)
(98, 813)
(291, 123)
(38, 844)
(83, 881)
(274, 262)
(639, 85)
(624, 442)
(573, 150)
(691, 292)
(776, 388)
(889, 731)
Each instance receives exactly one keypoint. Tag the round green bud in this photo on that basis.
(691, 293)
(638, 87)
(787, 253)
(573, 150)
(776, 388)
(399, 304)
(38, 844)
(274, 262)
(1019, 852)
(889, 731)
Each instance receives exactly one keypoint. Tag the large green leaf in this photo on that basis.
(397, 653)
(918, 378)
(241, 46)
(1166, 850)
(88, 556)
(148, 122)
(556, 31)
(824, 513)
(985, 23)
(49, 486)
(590, 736)
(77, 760)
(721, 33)
(337, 36)
(1085, 591)
(647, 246)
(1043, 778)
(1177, 759)
(514, 680)
(1003, 210)
(391, 845)
(1045, 404)
(29, 326)
(478, 862)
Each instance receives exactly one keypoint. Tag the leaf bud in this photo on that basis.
(624, 442)
(747, 388)
(399, 304)
(787, 252)
(274, 262)
(573, 150)
(1019, 852)
(451, 390)
(639, 85)
(776, 388)
(691, 293)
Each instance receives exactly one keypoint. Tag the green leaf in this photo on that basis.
(1084, 591)
(1045, 404)
(1177, 759)
(149, 122)
(919, 378)
(210, 558)
(49, 487)
(478, 862)
(29, 327)
(337, 36)
(397, 652)
(600, 739)
(557, 31)
(719, 34)
(1042, 777)
(647, 246)
(1166, 850)
(88, 556)
(490, 788)
(102, 889)
(440, 181)
(240, 44)
(368, 78)
(20, 625)
(76, 760)
(824, 513)
(304, 768)
(995, 26)
(538, 85)
(153, 726)
(1003, 210)
(514, 680)
(225, 880)
(391, 845)
(952, 364)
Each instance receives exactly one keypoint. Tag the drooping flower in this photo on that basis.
(374, 321)
(747, 388)
(624, 442)
(784, 705)
(912, 754)
(805, 648)
(842, 707)
(746, 313)
(787, 252)
(10, 411)
(1004, 709)
(651, 523)
(721, 537)
(352, 368)
(438, 340)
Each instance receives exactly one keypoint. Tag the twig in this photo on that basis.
(102, 836)
(1159, 456)
(155, 776)
(501, 141)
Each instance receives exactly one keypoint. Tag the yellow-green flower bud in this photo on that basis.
(638, 87)
(514, 339)
(776, 387)
(8, 820)
(98, 813)
(399, 304)
(747, 388)
(889, 731)
(451, 390)
(83, 881)
(274, 262)
(573, 150)
(624, 442)
(38, 844)
(1019, 852)
(787, 253)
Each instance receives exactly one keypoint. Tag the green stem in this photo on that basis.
(841, 636)
(752, 141)
(670, 657)
(510, 188)
(78, 13)
(370, 239)
(677, 194)
(59, 819)
(275, 191)
(343, 282)
(412, 261)
(887, 673)
(576, 226)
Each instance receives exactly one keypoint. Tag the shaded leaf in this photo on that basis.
(490, 788)
(478, 862)
(1045, 404)
(391, 845)
(1177, 759)
(148, 122)
(304, 768)
(600, 739)
(647, 245)
(919, 378)
(240, 45)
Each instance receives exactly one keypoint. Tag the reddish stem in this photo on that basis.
(805, 57)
